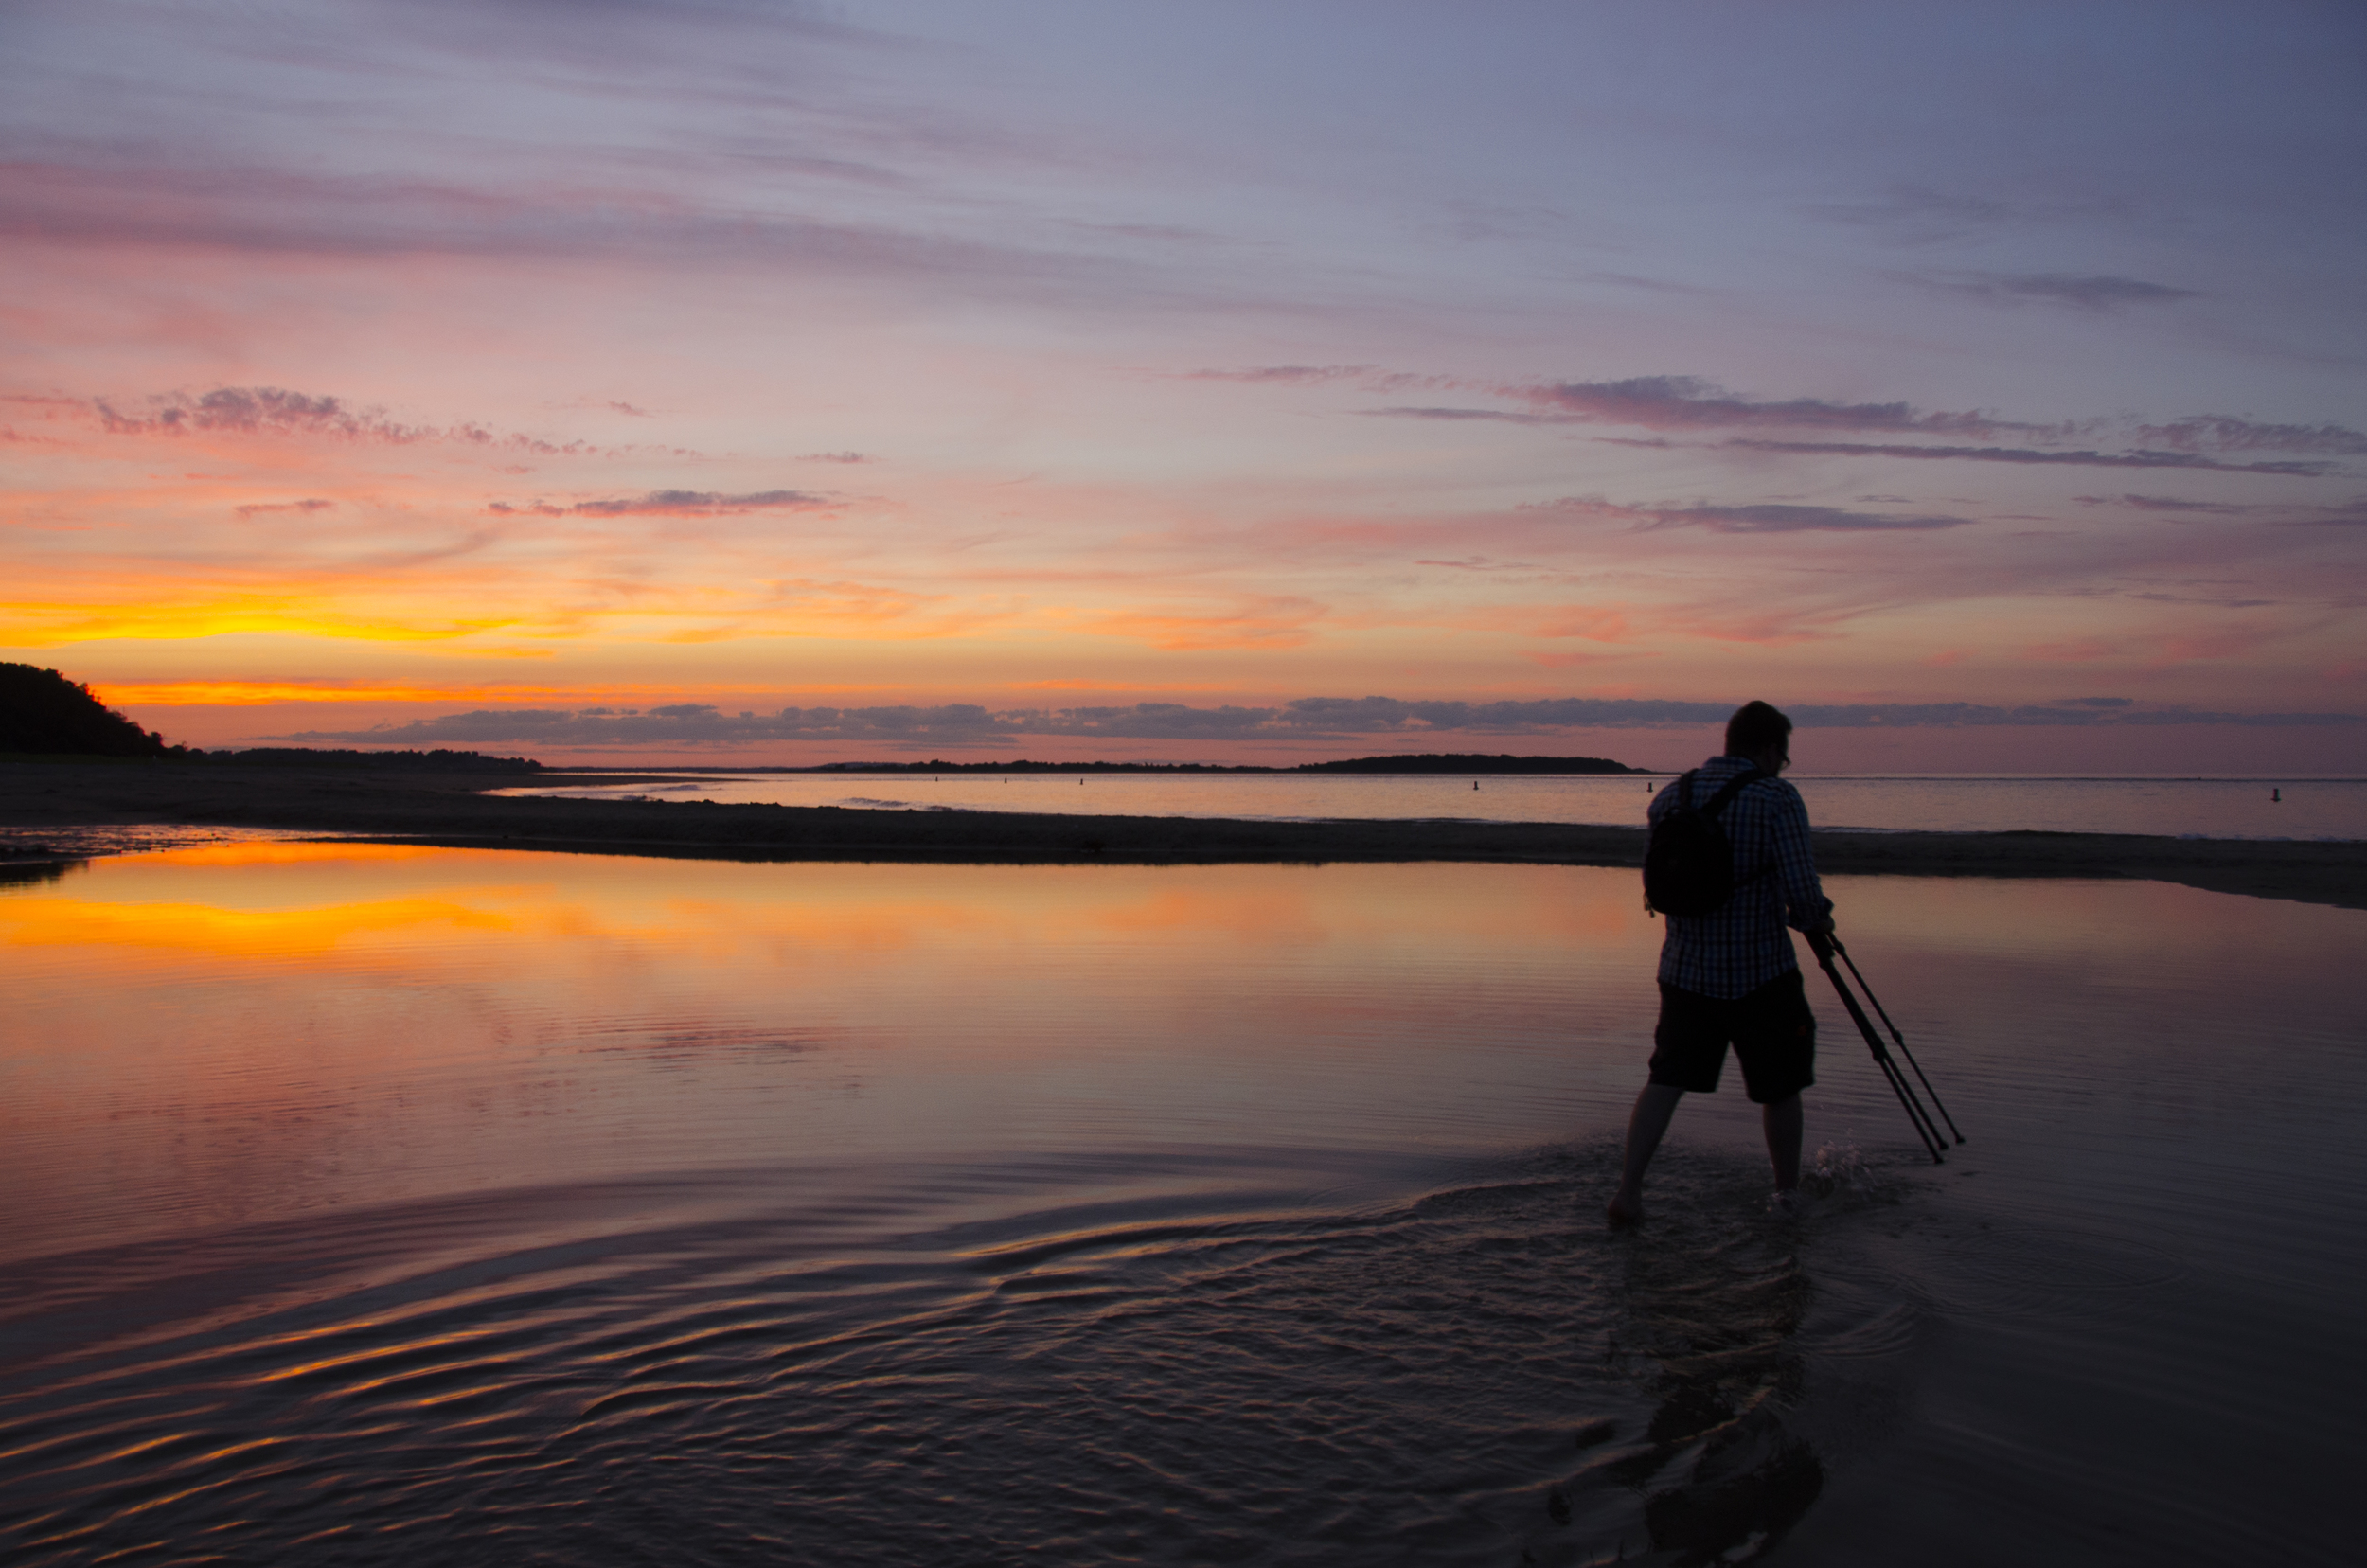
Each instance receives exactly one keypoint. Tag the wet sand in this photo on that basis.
(454, 809)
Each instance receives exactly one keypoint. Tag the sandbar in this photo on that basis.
(454, 809)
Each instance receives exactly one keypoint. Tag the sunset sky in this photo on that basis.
(744, 380)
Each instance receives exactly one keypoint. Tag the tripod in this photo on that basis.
(1826, 947)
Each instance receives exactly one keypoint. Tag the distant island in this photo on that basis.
(424, 761)
(44, 716)
(1412, 762)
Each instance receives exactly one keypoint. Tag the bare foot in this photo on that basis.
(1625, 1207)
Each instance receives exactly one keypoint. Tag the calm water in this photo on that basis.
(376, 1204)
(2210, 808)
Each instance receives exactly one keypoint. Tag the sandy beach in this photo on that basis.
(454, 809)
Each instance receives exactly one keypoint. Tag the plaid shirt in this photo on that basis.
(1744, 945)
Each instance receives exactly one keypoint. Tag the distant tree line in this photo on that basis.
(1471, 762)
(427, 761)
(43, 714)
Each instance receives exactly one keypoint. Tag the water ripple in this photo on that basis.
(1223, 1372)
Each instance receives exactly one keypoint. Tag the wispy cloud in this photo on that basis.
(2097, 291)
(1292, 375)
(1266, 621)
(1503, 415)
(258, 410)
(258, 508)
(2227, 432)
(1919, 215)
(1769, 517)
(1692, 403)
(1689, 403)
(2165, 504)
(670, 503)
(2086, 459)
(276, 412)
(2340, 514)
(1777, 518)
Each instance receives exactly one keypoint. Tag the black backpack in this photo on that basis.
(1688, 863)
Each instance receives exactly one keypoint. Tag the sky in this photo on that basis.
(748, 381)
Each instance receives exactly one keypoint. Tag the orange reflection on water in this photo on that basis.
(233, 1030)
(229, 933)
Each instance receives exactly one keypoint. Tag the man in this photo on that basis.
(1730, 976)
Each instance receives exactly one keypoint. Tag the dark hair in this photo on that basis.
(1754, 727)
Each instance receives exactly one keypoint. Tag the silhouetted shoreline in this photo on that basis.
(452, 809)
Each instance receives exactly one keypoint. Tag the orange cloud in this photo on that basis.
(32, 624)
(1568, 661)
(1267, 623)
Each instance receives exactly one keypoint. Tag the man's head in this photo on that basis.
(1758, 731)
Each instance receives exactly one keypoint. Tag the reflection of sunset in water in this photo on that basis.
(249, 1027)
(519, 1169)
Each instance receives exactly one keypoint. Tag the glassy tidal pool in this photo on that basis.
(372, 1204)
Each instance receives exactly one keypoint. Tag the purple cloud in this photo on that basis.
(1504, 415)
(1688, 403)
(1772, 518)
(2226, 433)
(2091, 292)
(672, 503)
(2033, 454)
(1287, 374)
(258, 508)
(2352, 514)
(274, 411)
(1765, 517)
(2165, 503)
(258, 411)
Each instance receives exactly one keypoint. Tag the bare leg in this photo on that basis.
(1647, 1124)
(1783, 1120)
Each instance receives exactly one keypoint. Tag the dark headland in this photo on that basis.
(416, 801)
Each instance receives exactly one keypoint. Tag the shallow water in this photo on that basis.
(2207, 808)
(375, 1203)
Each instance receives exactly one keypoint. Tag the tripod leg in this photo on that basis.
(1916, 1113)
(1900, 1039)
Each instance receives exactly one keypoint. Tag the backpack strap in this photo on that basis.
(1732, 787)
(1723, 799)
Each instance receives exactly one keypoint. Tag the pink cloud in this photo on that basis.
(2073, 651)
(260, 507)
(1569, 661)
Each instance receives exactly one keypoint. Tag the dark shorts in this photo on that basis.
(1772, 1032)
